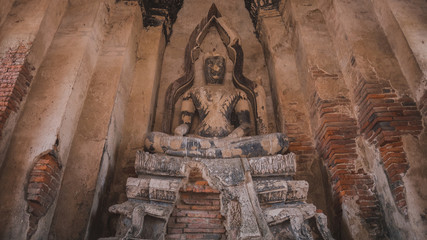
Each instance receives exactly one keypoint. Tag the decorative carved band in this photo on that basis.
(157, 164)
(278, 165)
(161, 190)
(164, 165)
(275, 191)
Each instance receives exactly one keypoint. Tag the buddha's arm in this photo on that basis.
(242, 110)
(187, 112)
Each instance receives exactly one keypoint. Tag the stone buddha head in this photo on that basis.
(214, 69)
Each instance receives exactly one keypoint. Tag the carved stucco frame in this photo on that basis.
(232, 43)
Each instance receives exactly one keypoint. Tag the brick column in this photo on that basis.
(334, 121)
(404, 23)
(93, 152)
(138, 116)
(336, 142)
(383, 118)
(48, 119)
(276, 36)
(384, 103)
(22, 49)
(197, 215)
(276, 33)
(15, 78)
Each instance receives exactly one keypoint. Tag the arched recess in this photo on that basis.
(232, 43)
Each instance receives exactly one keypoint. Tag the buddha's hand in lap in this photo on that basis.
(181, 130)
(236, 133)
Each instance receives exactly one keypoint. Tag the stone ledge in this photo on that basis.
(164, 165)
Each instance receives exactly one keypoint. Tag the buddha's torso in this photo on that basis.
(215, 105)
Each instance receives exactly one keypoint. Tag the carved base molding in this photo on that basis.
(259, 199)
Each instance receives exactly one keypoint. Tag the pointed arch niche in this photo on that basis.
(234, 50)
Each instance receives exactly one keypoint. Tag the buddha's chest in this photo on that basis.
(214, 99)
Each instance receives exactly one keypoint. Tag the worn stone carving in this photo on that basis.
(133, 216)
(271, 203)
(252, 173)
(255, 93)
(253, 146)
(215, 136)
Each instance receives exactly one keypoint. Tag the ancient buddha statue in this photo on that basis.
(215, 136)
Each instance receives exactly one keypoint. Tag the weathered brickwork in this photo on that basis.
(14, 81)
(383, 118)
(197, 214)
(300, 143)
(42, 188)
(336, 143)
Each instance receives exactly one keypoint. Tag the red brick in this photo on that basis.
(174, 236)
(199, 214)
(182, 206)
(204, 230)
(201, 225)
(201, 207)
(198, 202)
(176, 225)
(194, 236)
(215, 221)
(45, 202)
(401, 204)
(201, 183)
(174, 230)
(36, 209)
(191, 220)
(200, 196)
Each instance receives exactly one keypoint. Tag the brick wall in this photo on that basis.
(300, 141)
(301, 144)
(336, 143)
(14, 80)
(197, 213)
(43, 185)
(383, 118)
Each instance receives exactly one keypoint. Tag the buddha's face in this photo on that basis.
(214, 70)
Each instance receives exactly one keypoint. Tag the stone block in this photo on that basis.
(297, 191)
(275, 191)
(271, 190)
(137, 188)
(155, 189)
(277, 215)
(155, 210)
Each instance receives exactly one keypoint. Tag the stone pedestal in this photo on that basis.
(258, 198)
